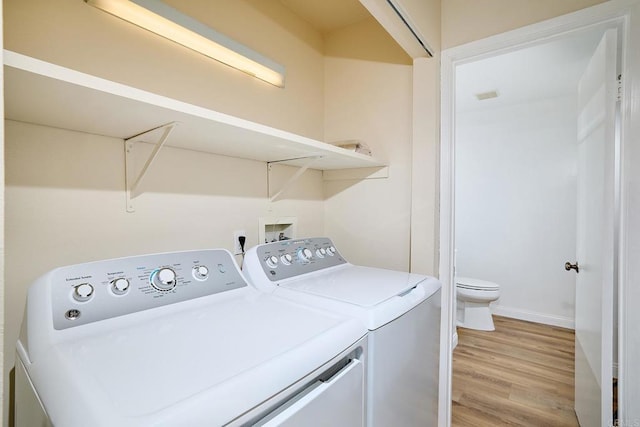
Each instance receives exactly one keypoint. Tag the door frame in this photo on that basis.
(615, 12)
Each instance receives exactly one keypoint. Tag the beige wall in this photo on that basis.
(366, 41)
(65, 191)
(63, 187)
(370, 220)
(425, 169)
(65, 197)
(369, 99)
(464, 21)
(78, 36)
(3, 378)
(425, 15)
(426, 139)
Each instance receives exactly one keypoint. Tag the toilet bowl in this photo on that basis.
(473, 299)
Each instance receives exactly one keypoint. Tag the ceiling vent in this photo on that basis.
(487, 95)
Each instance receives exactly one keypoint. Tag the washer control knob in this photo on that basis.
(200, 272)
(320, 253)
(83, 292)
(331, 250)
(164, 279)
(272, 261)
(286, 259)
(120, 286)
(305, 254)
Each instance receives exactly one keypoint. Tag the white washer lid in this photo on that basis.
(470, 283)
(211, 361)
(362, 286)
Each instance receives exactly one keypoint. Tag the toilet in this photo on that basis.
(473, 298)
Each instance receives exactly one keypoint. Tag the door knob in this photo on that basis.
(568, 266)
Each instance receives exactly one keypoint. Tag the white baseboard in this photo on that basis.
(546, 319)
(454, 341)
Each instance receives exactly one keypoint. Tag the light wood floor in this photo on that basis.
(521, 374)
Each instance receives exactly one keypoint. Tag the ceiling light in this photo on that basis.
(161, 19)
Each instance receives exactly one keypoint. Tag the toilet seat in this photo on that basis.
(476, 284)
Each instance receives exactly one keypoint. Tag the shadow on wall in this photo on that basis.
(41, 157)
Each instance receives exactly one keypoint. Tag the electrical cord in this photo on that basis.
(242, 240)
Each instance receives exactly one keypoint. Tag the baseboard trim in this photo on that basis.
(454, 341)
(546, 319)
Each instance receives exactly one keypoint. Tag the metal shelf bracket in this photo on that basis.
(133, 179)
(309, 162)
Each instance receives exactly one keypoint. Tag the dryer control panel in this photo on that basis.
(290, 258)
(90, 292)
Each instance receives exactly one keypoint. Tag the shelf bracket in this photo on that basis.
(309, 161)
(133, 181)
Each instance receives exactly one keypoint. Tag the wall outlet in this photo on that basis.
(237, 249)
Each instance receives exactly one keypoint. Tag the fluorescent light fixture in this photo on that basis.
(165, 21)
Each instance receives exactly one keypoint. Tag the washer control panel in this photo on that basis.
(86, 293)
(290, 258)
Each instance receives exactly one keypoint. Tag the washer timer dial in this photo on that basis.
(305, 254)
(164, 279)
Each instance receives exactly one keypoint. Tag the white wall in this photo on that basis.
(516, 205)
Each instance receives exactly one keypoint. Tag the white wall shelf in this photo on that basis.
(47, 94)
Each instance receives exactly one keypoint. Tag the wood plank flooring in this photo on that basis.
(521, 374)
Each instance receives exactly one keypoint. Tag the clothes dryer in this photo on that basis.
(401, 311)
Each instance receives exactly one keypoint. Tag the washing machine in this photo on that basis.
(179, 339)
(401, 311)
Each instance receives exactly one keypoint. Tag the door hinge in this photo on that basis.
(619, 89)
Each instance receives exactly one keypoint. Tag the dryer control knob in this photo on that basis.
(320, 253)
(120, 286)
(305, 254)
(163, 279)
(272, 261)
(83, 292)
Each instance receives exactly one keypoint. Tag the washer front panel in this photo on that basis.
(306, 256)
(86, 293)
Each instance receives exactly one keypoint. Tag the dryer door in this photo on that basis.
(336, 401)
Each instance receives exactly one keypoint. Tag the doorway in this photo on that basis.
(599, 18)
(516, 157)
